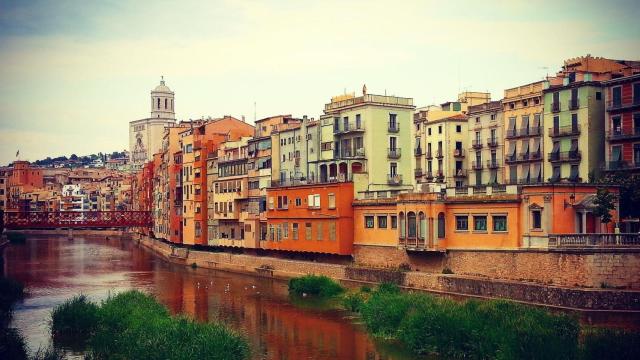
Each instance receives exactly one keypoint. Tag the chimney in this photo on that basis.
(243, 118)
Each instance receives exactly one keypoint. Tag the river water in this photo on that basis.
(54, 269)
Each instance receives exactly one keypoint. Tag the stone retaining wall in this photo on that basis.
(457, 284)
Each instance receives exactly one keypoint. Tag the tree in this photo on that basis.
(605, 201)
(629, 192)
(73, 157)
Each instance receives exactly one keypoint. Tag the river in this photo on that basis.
(55, 268)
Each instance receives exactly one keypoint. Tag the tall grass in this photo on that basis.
(12, 343)
(133, 325)
(313, 285)
(470, 329)
(610, 344)
(76, 317)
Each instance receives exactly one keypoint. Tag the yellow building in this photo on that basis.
(486, 145)
(188, 208)
(524, 146)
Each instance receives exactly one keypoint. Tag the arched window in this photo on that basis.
(422, 230)
(166, 102)
(158, 103)
(441, 226)
(412, 229)
(402, 226)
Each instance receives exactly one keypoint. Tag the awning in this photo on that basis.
(493, 177)
(512, 123)
(525, 147)
(512, 148)
(556, 147)
(535, 174)
(536, 145)
(525, 172)
(525, 121)
(536, 120)
(574, 146)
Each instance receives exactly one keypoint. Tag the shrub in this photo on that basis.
(387, 307)
(353, 301)
(314, 285)
(10, 291)
(12, 344)
(388, 288)
(16, 237)
(600, 343)
(76, 317)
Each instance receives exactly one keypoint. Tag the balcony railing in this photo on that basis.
(523, 132)
(458, 153)
(428, 175)
(418, 172)
(394, 127)
(394, 179)
(393, 153)
(574, 104)
(493, 164)
(476, 165)
(460, 173)
(621, 105)
(614, 165)
(555, 107)
(428, 154)
(349, 153)
(417, 151)
(348, 128)
(439, 153)
(628, 240)
(476, 144)
(565, 156)
(570, 130)
(623, 134)
(492, 142)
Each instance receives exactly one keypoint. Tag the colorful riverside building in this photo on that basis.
(390, 231)
(21, 178)
(486, 145)
(314, 218)
(361, 139)
(574, 117)
(622, 123)
(197, 144)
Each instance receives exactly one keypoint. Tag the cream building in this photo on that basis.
(145, 135)
(485, 151)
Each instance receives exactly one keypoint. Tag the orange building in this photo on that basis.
(504, 218)
(310, 218)
(22, 179)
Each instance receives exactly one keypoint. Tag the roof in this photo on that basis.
(587, 203)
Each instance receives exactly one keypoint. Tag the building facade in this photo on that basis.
(622, 124)
(485, 151)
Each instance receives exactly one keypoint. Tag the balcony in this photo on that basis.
(439, 175)
(493, 164)
(439, 154)
(623, 134)
(621, 165)
(460, 173)
(523, 156)
(589, 241)
(565, 156)
(418, 172)
(613, 105)
(570, 130)
(511, 159)
(428, 175)
(476, 144)
(393, 153)
(574, 104)
(349, 154)
(394, 179)
(428, 155)
(458, 153)
(350, 127)
(476, 165)
(418, 151)
(523, 132)
(555, 107)
(393, 127)
(492, 142)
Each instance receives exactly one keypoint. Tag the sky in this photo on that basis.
(74, 73)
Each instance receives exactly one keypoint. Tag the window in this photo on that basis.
(271, 201)
(412, 225)
(285, 230)
(319, 231)
(332, 201)
(439, 129)
(294, 231)
(462, 222)
(298, 202)
(499, 223)
(598, 95)
(536, 219)
(358, 121)
(429, 131)
(307, 231)
(332, 231)
(458, 128)
(368, 222)
(394, 222)
(479, 223)
(382, 221)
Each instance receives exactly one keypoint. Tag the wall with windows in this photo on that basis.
(492, 225)
(310, 218)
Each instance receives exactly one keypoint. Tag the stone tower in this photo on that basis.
(162, 102)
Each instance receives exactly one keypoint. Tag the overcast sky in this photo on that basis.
(74, 73)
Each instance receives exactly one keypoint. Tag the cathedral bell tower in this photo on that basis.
(162, 102)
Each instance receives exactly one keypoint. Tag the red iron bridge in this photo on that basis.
(15, 220)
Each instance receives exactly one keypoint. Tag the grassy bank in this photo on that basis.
(133, 325)
(12, 343)
(473, 329)
(313, 285)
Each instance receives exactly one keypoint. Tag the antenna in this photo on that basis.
(254, 112)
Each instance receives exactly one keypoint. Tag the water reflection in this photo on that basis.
(55, 268)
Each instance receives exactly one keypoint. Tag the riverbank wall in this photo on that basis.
(566, 297)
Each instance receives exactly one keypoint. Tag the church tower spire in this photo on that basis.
(162, 99)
